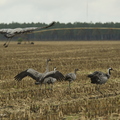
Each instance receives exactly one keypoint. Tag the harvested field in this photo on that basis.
(26, 101)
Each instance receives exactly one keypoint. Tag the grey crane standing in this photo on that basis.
(99, 78)
(10, 33)
(71, 76)
(49, 81)
(32, 73)
(50, 78)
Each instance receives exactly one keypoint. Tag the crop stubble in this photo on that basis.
(24, 100)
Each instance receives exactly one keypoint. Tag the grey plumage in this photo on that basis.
(51, 77)
(49, 81)
(32, 73)
(47, 65)
(41, 78)
(53, 74)
(29, 72)
(10, 33)
(99, 78)
(71, 76)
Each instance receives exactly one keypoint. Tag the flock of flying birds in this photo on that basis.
(50, 77)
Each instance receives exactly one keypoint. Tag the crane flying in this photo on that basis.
(10, 33)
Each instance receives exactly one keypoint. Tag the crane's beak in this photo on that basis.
(49, 59)
(113, 69)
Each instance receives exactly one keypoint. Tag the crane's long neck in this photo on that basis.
(47, 66)
(55, 68)
(75, 72)
(109, 73)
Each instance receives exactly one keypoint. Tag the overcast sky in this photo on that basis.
(63, 11)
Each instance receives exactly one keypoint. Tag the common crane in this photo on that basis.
(99, 78)
(71, 76)
(32, 73)
(50, 78)
(49, 81)
(10, 33)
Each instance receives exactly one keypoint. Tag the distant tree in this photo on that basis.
(70, 34)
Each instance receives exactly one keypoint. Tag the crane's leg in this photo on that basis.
(7, 42)
(45, 86)
(52, 87)
(49, 87)
(41, 86)
(98, 88)
(69, 84)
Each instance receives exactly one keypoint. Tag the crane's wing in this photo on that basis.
(98, 77)
(31, 29)
(4, 31)
(95, 80)
(12, 32)
(96, 73)
(51, 24)
(103, 78)
(55, 74)
(29, 72)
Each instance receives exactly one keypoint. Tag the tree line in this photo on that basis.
(67, 34)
